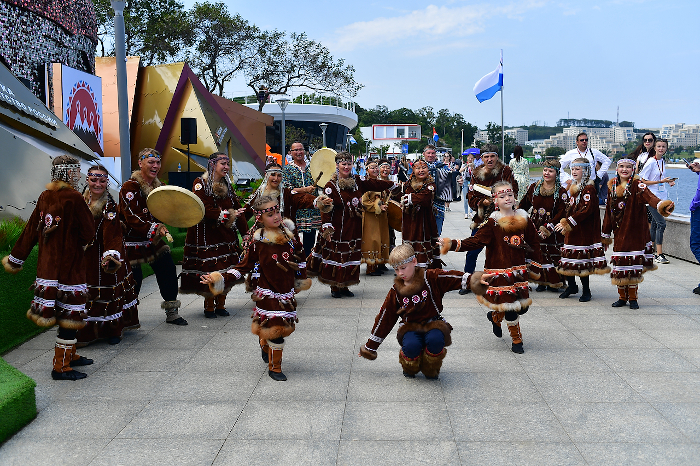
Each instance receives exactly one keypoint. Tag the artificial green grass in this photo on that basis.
(17, 402)
(15, 299)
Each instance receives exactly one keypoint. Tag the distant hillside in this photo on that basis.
(539, 132)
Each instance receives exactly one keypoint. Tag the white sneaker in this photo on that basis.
(466, 215)
(661, 259)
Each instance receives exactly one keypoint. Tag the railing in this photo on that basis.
(304, 99)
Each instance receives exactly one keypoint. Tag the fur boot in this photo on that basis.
(275, 361)
(221, 306)
(171, 312)
(63, 355)
(410, 366)
(265, 349)
(517, 337)
(632, 294)
(431, 363)
(209, 308)
(622, 291)
(496, 317)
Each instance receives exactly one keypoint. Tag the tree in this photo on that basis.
(155, 30)
(554, 151)
(223, 44)
(280, 64)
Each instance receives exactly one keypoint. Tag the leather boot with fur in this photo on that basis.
(496, 317)
(265, 349)
(517, 338)
(209, 308)
(622, 291)
(76, 360)
(221, 306)
(632, 294)
(171, 312)
(63, 354)
(410, 366)
(275, 364)
(431, 363)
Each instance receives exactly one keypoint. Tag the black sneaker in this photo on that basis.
(696, 290)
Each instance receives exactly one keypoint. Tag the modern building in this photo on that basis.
(608, 140)
(393, 136)
(681, 135)
(520, 135)
(339, 116)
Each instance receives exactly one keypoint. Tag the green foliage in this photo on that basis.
(554, 152)
(16, 297)
(17, 401)
(494, 136)
(10, 229)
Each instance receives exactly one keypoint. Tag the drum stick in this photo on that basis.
(318, 178)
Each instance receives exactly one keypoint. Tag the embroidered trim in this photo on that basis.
(14, 260)
(572, 221)
(264, 312)
(112, 252)
(106, 318)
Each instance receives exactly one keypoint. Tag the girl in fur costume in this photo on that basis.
(112, 305)
(547, 199)
(625, 216)
(419, 227)
(275, 255)
(375, 225)
(508, 235)
(337, 255)
(212, 245)
(582, 254)
(416, 299)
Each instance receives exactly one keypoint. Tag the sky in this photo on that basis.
(577, 59)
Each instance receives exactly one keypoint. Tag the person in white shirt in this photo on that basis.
(654, 176)
(583, 151)
(644, 151)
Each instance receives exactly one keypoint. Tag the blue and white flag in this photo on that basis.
(352, 140)
(487, 86)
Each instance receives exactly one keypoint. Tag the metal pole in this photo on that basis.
(122, 93)
(460, 154)
(503, 134)
(284, 141)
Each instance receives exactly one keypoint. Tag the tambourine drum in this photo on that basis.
(322, 166)
(175, 206)
(395, 214)
(486, 191)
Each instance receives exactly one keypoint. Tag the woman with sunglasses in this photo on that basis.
(643, 151)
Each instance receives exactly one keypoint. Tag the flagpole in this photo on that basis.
(503, 134)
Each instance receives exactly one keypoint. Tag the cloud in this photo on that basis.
(433, 22)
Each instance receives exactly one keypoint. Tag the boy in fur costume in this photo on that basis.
(275, 255)
(582, 254)
(62, 226)
(112, 306)
(508, 235)
(212, 244)
(144, 234)
(547, 199)
(625, 216)
(418, 224)
(416, 299)
(337, 255)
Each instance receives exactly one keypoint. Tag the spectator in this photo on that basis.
(695, 219)
(603, 190)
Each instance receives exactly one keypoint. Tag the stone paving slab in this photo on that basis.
(597, 385)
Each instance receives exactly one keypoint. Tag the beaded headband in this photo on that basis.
(149, 155)
(503, 190)
(260, 212)
(274, 170)
(630, 161)
(420, 161)
(216, 160)
(581, 164)
(97, 175)
(61, 172)
(403, 262)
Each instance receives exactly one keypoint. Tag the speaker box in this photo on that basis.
(188, 131)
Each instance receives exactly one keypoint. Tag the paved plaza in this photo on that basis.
(596, 385)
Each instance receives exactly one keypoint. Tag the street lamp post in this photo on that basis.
(122, 92)
(462, 142)
(283, 102)
(323, 131)
(367, 148)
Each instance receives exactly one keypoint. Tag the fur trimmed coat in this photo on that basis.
(375, 228)
(336, 257)
(112, 305)
(582, 253)
(275, 262)
(507, 240)
(487, 178)
(140, 235)
(62, 226)
(212, 245)
(417, 304)
(626, 219)
(418, 225)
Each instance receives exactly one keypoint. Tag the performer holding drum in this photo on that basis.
(212, 244)
(375, 225)
(335, 259)
(144, 233)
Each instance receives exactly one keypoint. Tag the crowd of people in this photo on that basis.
(549, 232)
